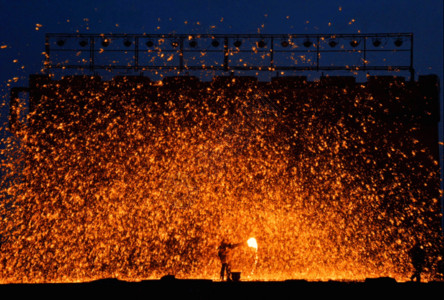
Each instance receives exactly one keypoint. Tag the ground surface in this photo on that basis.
(206, 289)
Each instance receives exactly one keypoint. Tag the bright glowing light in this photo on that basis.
(252, 243)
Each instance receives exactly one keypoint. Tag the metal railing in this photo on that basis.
(231, 52)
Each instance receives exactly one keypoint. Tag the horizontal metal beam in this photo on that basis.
(207, 35)
(175, 51)
(239, 68)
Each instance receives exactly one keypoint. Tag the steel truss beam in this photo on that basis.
(173, 51)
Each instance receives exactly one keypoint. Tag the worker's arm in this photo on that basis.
(235, 245)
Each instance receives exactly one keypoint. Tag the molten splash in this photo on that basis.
(137, 184)
(252, 243)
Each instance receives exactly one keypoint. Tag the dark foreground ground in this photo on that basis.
(206, 289)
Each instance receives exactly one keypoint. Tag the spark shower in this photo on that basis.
(135, 179)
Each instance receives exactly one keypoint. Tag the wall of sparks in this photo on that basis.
(135, 180)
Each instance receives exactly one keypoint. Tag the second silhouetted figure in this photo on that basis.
(417, 255)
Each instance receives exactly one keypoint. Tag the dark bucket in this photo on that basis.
(235, 276)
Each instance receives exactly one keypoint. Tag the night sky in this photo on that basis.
(25, 22)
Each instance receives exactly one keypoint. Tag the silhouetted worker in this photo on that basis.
(417, 255)
(224, 252)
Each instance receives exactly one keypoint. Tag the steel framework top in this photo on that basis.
(230, 52)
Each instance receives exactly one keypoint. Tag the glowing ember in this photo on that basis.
(252, 243)
(136, 181)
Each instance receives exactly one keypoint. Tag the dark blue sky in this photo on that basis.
(25, 22)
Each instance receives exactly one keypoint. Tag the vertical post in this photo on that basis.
(226, 53)
(181, 39)
(271, 54)
(136, 53)
(47, 49)
(365, 54)
(91, 53)
(318, 54)
(412, 71)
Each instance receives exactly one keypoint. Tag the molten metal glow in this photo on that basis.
(252, 243)
(135, 184)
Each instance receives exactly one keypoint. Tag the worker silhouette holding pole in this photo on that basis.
(224, 252)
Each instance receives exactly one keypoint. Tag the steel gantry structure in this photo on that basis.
(231, 52)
